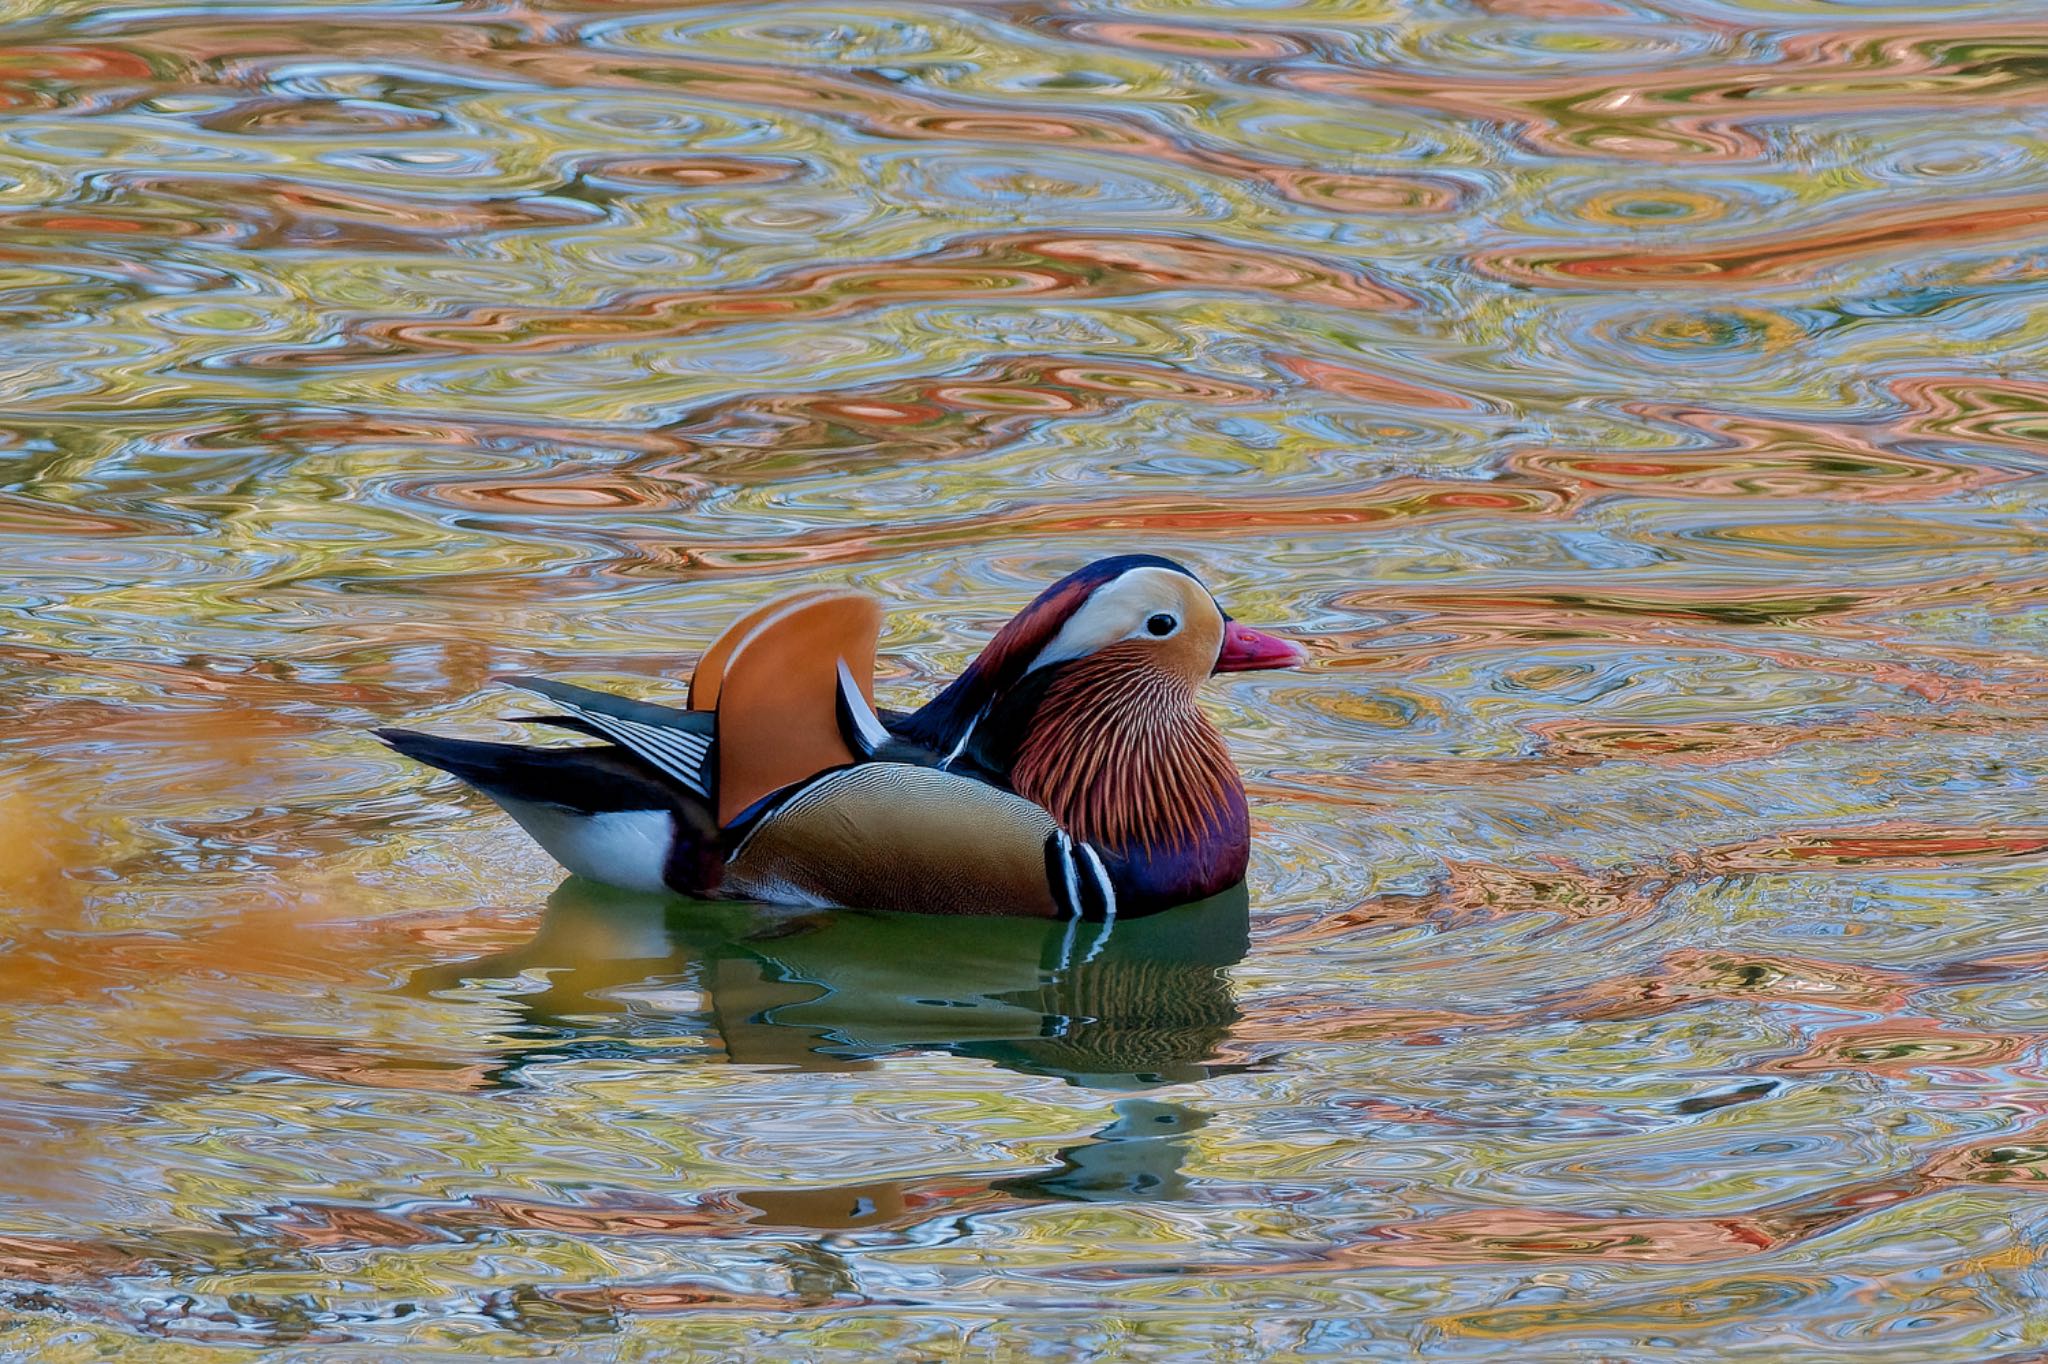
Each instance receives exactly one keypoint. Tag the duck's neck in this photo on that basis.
(1121, 756)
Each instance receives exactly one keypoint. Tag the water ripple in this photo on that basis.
(1634, 405)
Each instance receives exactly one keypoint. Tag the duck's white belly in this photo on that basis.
(624, 848)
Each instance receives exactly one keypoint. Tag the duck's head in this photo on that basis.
(1148, 613)
(1084, 703)
(1138, 615)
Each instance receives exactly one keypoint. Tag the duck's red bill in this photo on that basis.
(1247, 650)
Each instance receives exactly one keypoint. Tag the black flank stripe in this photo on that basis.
(1094, 902)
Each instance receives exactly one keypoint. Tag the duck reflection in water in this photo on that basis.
(1128, 1005)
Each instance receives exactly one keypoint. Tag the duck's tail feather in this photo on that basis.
(597, 811)
(584, 780)
(607, 703)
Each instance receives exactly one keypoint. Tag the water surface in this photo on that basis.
(1639, 405)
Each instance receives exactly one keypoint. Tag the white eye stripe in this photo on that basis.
(1120, 610)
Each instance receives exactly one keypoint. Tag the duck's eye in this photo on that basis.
(1161, 624)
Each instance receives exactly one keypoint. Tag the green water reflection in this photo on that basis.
(1121, 1006)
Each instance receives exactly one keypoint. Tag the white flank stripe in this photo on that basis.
(1067, 867)
(1102, 880)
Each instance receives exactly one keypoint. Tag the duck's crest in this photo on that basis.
(946, 722)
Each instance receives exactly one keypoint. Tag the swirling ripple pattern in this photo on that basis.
(1641, 406)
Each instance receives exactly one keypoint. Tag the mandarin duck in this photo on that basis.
(1067, 773)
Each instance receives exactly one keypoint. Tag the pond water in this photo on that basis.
(1637, 405)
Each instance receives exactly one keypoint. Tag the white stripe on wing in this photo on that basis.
(867, 725)
(674, 753)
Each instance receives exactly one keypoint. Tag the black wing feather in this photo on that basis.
(620, 707)
(587, 780)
